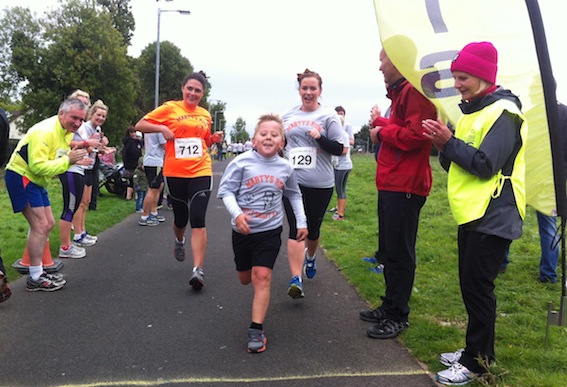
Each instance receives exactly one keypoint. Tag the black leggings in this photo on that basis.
(190, 198)
(73, 185)
(315, 202)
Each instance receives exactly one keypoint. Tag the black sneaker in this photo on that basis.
(387, 329)
(374, 315)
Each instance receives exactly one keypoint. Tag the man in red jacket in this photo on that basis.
(403, 179)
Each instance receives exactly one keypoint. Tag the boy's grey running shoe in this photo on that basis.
(256, 341)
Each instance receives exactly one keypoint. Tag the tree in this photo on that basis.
(239, 132)
(79, 48)
(173, 68)
(19, 21)
(362, 138)
(122, 17)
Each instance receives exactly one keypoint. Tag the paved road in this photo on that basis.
(127, 316)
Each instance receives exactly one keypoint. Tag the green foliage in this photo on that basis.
(19, 28)
(238, 132)
(122, 17)
(173, 68)
(75, 47)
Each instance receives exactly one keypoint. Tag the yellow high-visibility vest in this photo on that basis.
(469, 195)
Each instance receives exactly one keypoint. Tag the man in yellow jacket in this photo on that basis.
(39, 156)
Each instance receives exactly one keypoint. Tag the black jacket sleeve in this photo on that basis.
(333, 147)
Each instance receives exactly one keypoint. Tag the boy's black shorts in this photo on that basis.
(259, 249)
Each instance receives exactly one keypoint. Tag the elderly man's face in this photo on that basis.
(72, 120)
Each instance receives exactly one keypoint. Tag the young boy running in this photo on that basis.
(251, 189)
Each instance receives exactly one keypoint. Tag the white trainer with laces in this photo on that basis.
(455, 375)
(73, 251)
(450, 358)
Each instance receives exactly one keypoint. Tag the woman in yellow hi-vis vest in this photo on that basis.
(485, 161)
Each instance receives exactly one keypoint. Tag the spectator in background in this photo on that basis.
(141, 185)
(72, 186)
(131, 153)
(403, 180)
(90, 131)
(5, 291)
(486, 151)
(343, 166)
(40, 155)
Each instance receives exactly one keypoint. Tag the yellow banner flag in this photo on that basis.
(422, 37)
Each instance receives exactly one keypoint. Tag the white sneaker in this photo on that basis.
(72, 252)
(456, 375)
(450, 358)
(83, 241)
(91, 237)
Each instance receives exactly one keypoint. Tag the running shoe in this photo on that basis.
(157, 217)
(179, 250)
(57, 278)
(372, 315)
(197, 280)
(387, 329)
(456, 375)
(309, 266)
(148, 222)
(450, 358)
(334, 209)
(5, 291)
(295, 289)
(43, 283)
(72, 251)
(256, 341)
(83, 241)
(338, 217)
(90, 237)
(378, 269)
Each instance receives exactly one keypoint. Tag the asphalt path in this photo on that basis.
(128, 317)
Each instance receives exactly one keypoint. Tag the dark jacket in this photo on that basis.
(131, 152)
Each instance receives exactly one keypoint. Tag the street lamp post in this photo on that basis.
(215, 121)
(159, 11)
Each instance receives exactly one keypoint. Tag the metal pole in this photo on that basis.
(156, 99)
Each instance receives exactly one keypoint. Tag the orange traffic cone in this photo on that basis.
(49, 264)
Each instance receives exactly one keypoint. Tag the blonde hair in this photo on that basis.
(269, 117)
(97, 105)
(80, 93)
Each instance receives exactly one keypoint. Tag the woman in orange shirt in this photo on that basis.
(187, 167)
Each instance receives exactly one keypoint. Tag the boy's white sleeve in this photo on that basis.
(231, 205)
(228, 188)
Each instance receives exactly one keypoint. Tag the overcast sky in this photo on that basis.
(252, 50)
